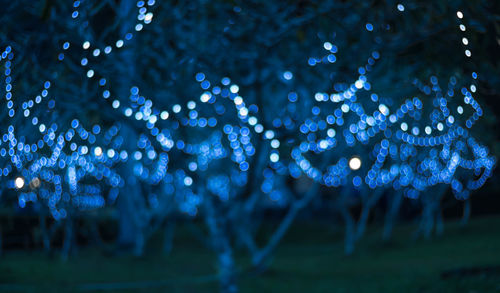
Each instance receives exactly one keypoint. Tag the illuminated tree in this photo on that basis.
(54, 162)
(294, 106)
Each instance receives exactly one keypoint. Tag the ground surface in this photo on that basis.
(309, 260)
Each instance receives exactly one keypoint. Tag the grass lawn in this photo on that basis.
(309, 260)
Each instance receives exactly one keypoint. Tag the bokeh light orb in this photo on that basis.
(19, 182)
(98, 151)
(355, 163)
(35, 183)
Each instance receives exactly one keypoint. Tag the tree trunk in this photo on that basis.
(217, 227)
(130, 232)
(392, 215)
(68, 239)
(427, 221)
(226, 267)
(370, 198)
(259, 258)
(349, 238)
(363, 221)
(45, 233)
(168, 236)
(130, 202)
(439, 221)
(431, 215)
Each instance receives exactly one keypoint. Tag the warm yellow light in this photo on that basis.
(19, 182)
(355, 163)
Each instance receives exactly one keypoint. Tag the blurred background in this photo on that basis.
(242, 146)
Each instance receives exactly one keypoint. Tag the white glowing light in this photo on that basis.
(252, 121)
(234, 89)
(269, 134)
(19, 182)
(188, 181)
(274, 157)
(148, 17)
(205, 97)
(428, 130)
(164, 115)
(355, 163)
(128, 112)
(440, 126)
(238, 100)
(98, 151)
(243, 111)
(344, 108)
(359, 84)
(383, 109)
(404, 126)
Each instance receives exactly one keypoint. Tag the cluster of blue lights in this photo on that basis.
(408, 149)
(52, 162)
(351, 136)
